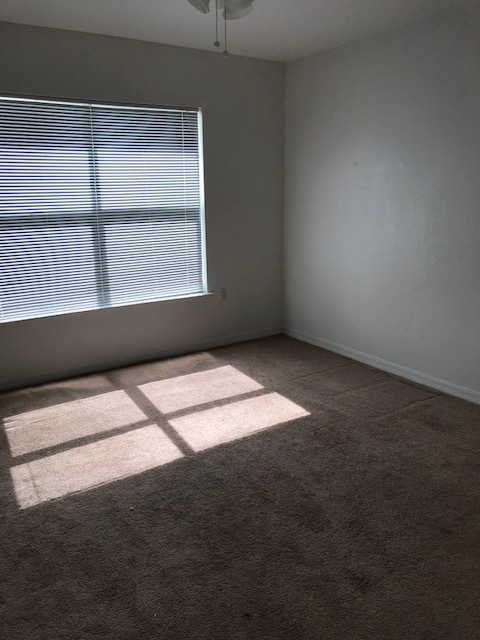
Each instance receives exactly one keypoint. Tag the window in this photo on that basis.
(100, 206)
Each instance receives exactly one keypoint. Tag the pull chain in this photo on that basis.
(225, 53)
(216, 44)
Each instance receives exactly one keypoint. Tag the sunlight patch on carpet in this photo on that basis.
(209, 428)
(43, 428)
(194, 389)
(92, 465)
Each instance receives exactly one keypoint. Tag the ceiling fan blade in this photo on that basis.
(201, 5)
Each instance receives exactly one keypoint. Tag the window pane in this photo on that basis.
(46, 268)
(44, 158)
(154, 258)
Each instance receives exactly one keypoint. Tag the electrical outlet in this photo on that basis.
(224, 293)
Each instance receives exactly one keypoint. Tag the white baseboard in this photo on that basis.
(97, 367)
(220, 341)
(390, 367)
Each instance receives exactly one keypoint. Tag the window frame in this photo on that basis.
(92, 220)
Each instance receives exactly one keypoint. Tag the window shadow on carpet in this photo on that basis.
(81, 444)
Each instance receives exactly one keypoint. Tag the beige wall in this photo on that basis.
(382, 211)
(243, 102)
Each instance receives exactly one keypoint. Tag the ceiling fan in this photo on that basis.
(231, 10)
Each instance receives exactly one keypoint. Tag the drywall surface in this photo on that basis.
(382, 211)
(243, 103)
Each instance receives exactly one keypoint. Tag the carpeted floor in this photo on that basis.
(265, 490)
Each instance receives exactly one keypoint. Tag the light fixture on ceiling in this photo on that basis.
(232, 10)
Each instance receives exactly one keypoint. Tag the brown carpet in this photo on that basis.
(259, 491)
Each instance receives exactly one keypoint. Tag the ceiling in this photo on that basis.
(275, 30)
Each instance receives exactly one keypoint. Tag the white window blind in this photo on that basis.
(100, 206)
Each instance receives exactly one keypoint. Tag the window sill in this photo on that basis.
(107, 308)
